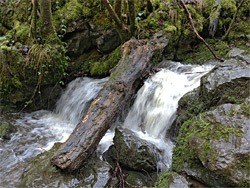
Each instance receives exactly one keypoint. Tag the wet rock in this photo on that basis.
(171, 180)
(133, 152)
(188, 106)
(218, 142)
(39, 173)
(5, 130)
(239, 54)
(225, 84)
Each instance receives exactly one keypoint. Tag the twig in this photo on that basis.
(197, 34)
(82, 176)
(45, 149)
(148, 175)
(132, 185)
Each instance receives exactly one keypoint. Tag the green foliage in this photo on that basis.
(71, 11)
(22, 32)
(48, 61)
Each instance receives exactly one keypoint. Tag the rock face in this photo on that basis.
(213, 128)
(84, 36)
(221, 142)
(133, 152)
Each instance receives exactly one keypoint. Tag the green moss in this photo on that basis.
(102, 67)
(206, 129)
(5, 130)
(71, 11)
(165, 179)
(22, 32)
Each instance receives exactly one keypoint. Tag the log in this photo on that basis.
(136, 58)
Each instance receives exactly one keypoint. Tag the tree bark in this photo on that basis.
(118, 8)
(34, 19)
(48, 31)
(118, 89)
(131, 8)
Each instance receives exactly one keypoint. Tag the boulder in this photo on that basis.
(108, 41)
(215, 146)
(133, 152)
(5, 130)
(84, 36)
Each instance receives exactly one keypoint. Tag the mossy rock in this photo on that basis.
(171, 179)
(104, 65)
(133, 152)
(211, 141)
(5, 130)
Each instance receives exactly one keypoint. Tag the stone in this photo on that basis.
(5, 130)
(108, 41)
(225, 84)
(133, 152)
(218, 141)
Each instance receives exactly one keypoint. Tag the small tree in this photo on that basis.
(126, 30)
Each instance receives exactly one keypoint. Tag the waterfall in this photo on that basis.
(154, 109)
(150, 116)
(76, 98)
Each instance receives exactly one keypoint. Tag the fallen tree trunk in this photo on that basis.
(136, 58)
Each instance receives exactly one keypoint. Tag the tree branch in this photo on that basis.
(197, 34)
(113, 14)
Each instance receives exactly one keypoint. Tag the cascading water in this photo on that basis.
(151, 115)
(44, 128)
(154, 109)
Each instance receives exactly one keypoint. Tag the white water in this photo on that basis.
(154, 109)
(44, 128)
(150, 117)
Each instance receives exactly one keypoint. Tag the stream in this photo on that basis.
(150, 117)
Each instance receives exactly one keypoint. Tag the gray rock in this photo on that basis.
(133, 152)
(5, 130)
(108, 41)
(236, 52)
(179, 181)
(225, 84)
(221, 143)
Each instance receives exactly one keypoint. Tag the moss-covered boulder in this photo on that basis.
(133, 152)
(5, 130)
(171, 179)
(214, 147)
